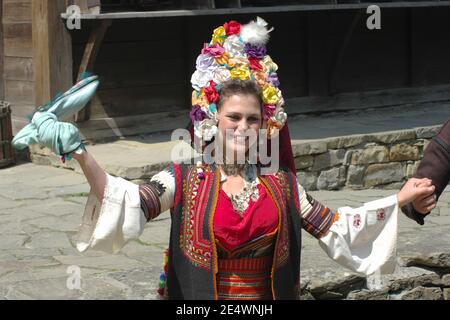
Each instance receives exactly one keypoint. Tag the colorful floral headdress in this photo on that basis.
(235, 52)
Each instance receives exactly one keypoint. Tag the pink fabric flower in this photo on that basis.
(268, 111)
(215, 50)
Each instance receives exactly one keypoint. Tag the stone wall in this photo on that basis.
(416, 278)
(378, 160)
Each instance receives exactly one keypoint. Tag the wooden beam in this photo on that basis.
(256, 10)
(90, 55)
(93, 46)
(52, 50)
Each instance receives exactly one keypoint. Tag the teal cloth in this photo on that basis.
(62, 107)
(60, 137)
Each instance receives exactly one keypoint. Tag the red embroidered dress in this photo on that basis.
(245, 247)
(217, 254)
(255, 256)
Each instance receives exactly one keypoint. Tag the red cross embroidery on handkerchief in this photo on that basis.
(357, 220)
(380, 214)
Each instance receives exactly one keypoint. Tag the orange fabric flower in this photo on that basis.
(223, 59)
(272, 127)
(260, 77)
(199, 99)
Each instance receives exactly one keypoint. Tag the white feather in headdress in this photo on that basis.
(255, 32)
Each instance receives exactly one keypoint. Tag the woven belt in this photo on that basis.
(244, 279)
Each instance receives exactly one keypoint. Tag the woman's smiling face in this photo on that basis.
(239, 121)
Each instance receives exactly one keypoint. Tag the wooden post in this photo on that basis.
(52, 50)
(90, 55)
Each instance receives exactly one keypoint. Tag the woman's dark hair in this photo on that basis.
(235, 86)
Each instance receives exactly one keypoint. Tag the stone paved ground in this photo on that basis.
(41, 207)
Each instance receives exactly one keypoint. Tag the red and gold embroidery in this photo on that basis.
(295, 193)
(194, 220)
(277, 187)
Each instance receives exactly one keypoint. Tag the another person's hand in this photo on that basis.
(416, 190)
(425, 203)
(61, 137)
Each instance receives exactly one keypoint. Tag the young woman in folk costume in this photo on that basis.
(236, 230)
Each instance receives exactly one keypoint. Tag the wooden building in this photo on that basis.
(329, 60)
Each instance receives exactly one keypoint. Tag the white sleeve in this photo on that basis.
(109, 225)
(365, 239)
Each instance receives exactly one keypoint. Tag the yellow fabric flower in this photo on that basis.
(270, 95)
(223, 59)
(219, 35)
(199, 100)
(242, 73)
(268, 64)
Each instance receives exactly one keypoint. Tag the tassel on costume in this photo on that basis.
(162, 291)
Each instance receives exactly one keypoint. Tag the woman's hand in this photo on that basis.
(60, 137)
(64, 138)
(419, 191)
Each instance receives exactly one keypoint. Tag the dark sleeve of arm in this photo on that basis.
(435, 165)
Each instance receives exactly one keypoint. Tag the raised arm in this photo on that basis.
(125, 208)
(362, 239)
(95, 175)
(116, 210)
